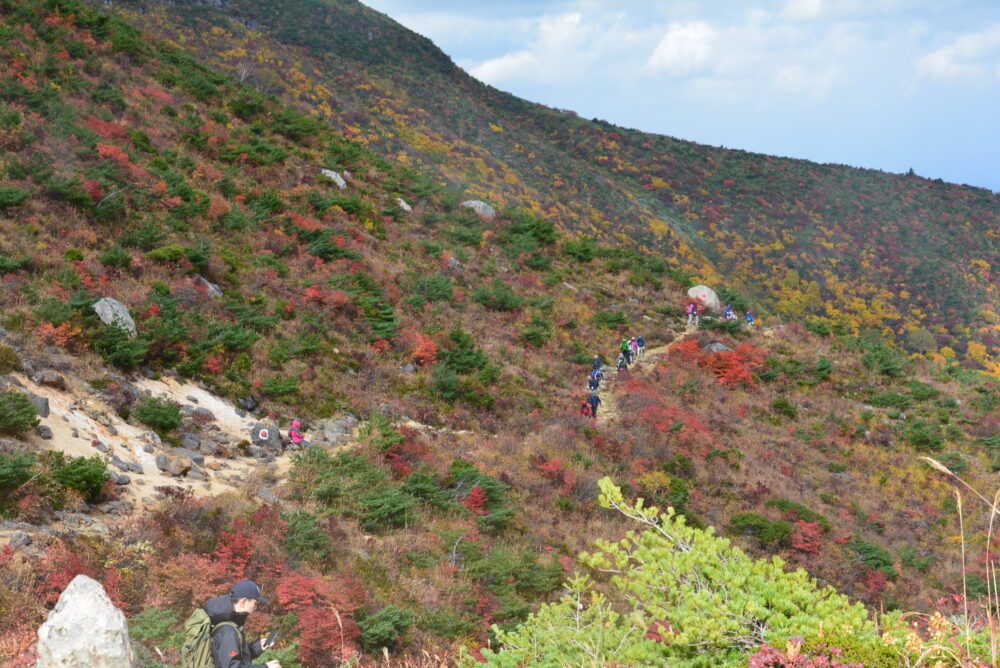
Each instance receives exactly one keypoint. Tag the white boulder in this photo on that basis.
(337, 178)
(480, 207)
(84, 629)
(403, 205)
(113, 312)
(707, 297)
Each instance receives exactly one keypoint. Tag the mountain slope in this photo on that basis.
(858, 248)
(133, 172)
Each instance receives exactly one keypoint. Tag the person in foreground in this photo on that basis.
(228, 614)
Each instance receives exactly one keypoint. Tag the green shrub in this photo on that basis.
(116, 257)
(874, 557)
(17, 413)
(10, 196)
(9, 361)
(108, 93)
(892, 400)
(610, 319)
(116, 346)
(538, 332)
(924, 437)
(157, 626)
(382, 628)
(385, 509)
(378, 431)
(168, 253)
(582, 250)
(160, 413)
(85, 475)
(434, 287)
(277, 386)
(305, 540)
(9, 264)
(768, 533)
(922, 391)
(785, 407)
(499, 296)
(800, 512)
(819, 327)
(15, 470)
(884, 360)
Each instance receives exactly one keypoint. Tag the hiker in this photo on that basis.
(295, 435)
(593, 384)
(585, 410)
(596, 362)
(693, 313)
(621, 363)
(749, 317)
(634, 346)
(625, 351)
(597, 375)
(727, 313)
(642, 344)
(594, 402)
(227, 615)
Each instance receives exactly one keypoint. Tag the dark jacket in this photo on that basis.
(229, 646)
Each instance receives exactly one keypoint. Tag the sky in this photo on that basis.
(883, 84)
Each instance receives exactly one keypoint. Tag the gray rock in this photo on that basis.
(101, 447)
(190, 441)
(454, 264)
(147, 447)
(401, 203)
(195, 474)
(248, 402)
(20, 538)
(255, 451)
(193, 400)
(481, 208)
(240, 412)
(717, 347)
(44, 431)
(267, 495)
(113, 312)
(706, 296)
(203, 415)
(119, 464)
(122, 479)
(209, 447)
(335, 177)
(134, 467)
(196, 457)
(332, 429)
(85, 629)
(214, 291)
(409, 368)
(111, 430)
(76, 434)
(175, 466)
(50, 378)
(41, 404)
(267, 437)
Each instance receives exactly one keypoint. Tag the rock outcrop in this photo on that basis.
(113, 312)
(85, 629)
(707, 297)
(335, 177)
(480, 207)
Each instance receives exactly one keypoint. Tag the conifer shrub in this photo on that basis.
(10, 264)
(117, 347)
(874, 557)
(498, 296)
(721, 605)
(17, 413)
(797, 511)
(160, 413)
(116, 257)
(15, 470)
(11, 196)
(610, 319)
(766, 532)
(785, 407)
(85, 475)
(9, 361)
(384, 628)
(305, 540)
(582, 250)
(434, 287)
(168, 253)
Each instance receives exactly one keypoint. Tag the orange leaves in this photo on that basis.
(117, 155)
(64, 335)
(426, 351)
(730, 367)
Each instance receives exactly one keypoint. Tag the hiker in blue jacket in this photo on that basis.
(594, 402)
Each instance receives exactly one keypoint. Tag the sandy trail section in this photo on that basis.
(80, 419)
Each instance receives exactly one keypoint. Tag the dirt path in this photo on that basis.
(609, 412)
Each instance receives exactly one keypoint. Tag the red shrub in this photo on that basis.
(807, 537)
(58, 566)
(874, 582)
(476, 501)
(426, 350)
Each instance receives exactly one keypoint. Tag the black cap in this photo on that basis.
(247, 589)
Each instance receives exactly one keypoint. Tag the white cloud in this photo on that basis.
(684, 48)
(802, 10)
(508, 67)
(972, 58)
(814, 85)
